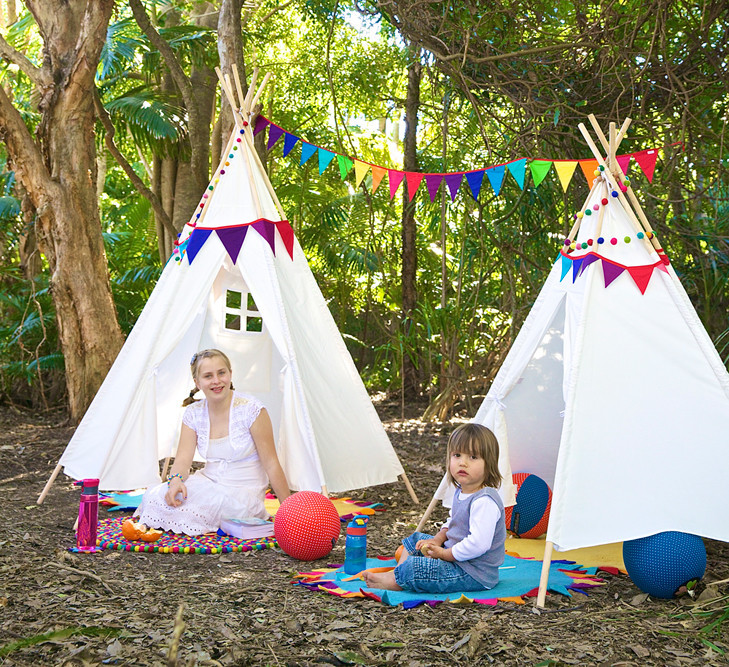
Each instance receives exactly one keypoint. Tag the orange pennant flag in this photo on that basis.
(377, 174)
(588, 169)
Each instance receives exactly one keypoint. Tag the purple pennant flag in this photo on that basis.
(196, 241)
(260, 125)
(576, 264)
(268, 231)
(274, 134)
(589, 259)
(232, 239)
(433, 182)
(610, 271)
(453, 181)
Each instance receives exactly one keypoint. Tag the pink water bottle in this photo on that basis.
(88, 515)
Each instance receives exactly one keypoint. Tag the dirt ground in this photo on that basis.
(116, 608)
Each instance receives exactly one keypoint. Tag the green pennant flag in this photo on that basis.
(345, 165)
(539, 169)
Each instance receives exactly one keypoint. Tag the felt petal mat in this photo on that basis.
(109, 537)
(518, 578)
(608, 557)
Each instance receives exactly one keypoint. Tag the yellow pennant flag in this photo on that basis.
(588, 169)
(360, 171)
(565, 170)
(377, 174)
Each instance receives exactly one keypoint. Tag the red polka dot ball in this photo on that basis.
(307, 525)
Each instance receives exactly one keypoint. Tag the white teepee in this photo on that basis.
(239, 282)
(613, 392)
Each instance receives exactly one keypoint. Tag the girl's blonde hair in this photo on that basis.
(195, 367)
(476, 440)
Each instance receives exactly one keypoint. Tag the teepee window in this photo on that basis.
(241, 313)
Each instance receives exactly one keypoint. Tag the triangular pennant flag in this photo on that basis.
(345, 165)
(232, 239)
(196, 241)
(274, 134)
(360, 171)
(518, 171)
(433, 182)
(474, 179)
(287, 236)
(539, 169)
(566, 266)
(413, 179)
(395, 177)
(307, 150)
(576, 265)
(587, 260)
(610, 271)
(453, 182)
(260, 125)
(647, 162)
(289, 142)
(325, 157)
(565, 170)
(663, 267)
(588, 169)
(641, 275)
(624, 162)
(377, 174)
(267, 230)
(496, 177)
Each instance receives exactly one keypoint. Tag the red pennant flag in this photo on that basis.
(624, 162)
(395, 177)
(641, 275)
(662, 267)
(287, 236)
(647, 162)
(413, 179)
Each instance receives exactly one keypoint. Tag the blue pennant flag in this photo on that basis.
(289, 142)
(325, 157)
(307, 150)
(474, 178)
(496, 177)
(518, 171)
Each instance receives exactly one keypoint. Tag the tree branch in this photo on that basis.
(178, 74)
(15, 57)
(138, 183)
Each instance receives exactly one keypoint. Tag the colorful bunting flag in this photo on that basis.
(307, 150)
(232, 239)
(453, 182)
(641, 275)
(576, 266)
(261, 124)
(345, 165)
(647, 162)
(624, 162)
(274, 134)
(518, 171)
(496, 177)
(267, 230)
(588, 169)
(539, 169)
(289, 142)
(413, 179)
(395, 177)
(433, 182)
(565, 170)
(474, 180)
(196, 241)
(566, 266)
(610, 271)
(589, 259)
(287, 236)
(325, 157)
(377, 174)
(360, 171)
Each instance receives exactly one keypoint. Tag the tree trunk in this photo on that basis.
(409, 250)
(59, 175)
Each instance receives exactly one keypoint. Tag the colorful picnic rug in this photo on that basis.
(109, 536)
(518, 578)
(608, 557)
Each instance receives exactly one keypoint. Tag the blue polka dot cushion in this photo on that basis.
(660, 564)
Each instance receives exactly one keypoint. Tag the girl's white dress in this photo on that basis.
(232, 484)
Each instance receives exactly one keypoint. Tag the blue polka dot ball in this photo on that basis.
(530, 516)
(660, 564)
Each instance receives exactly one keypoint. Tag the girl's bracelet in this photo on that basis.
(171, 477)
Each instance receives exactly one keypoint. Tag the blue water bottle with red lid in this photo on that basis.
(355, 546)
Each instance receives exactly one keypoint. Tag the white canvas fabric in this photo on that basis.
(326, 428)
(617, 399)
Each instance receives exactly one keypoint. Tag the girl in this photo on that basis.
(466, 553)
(233, 433)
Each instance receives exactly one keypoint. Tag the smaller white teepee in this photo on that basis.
(240, 282)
